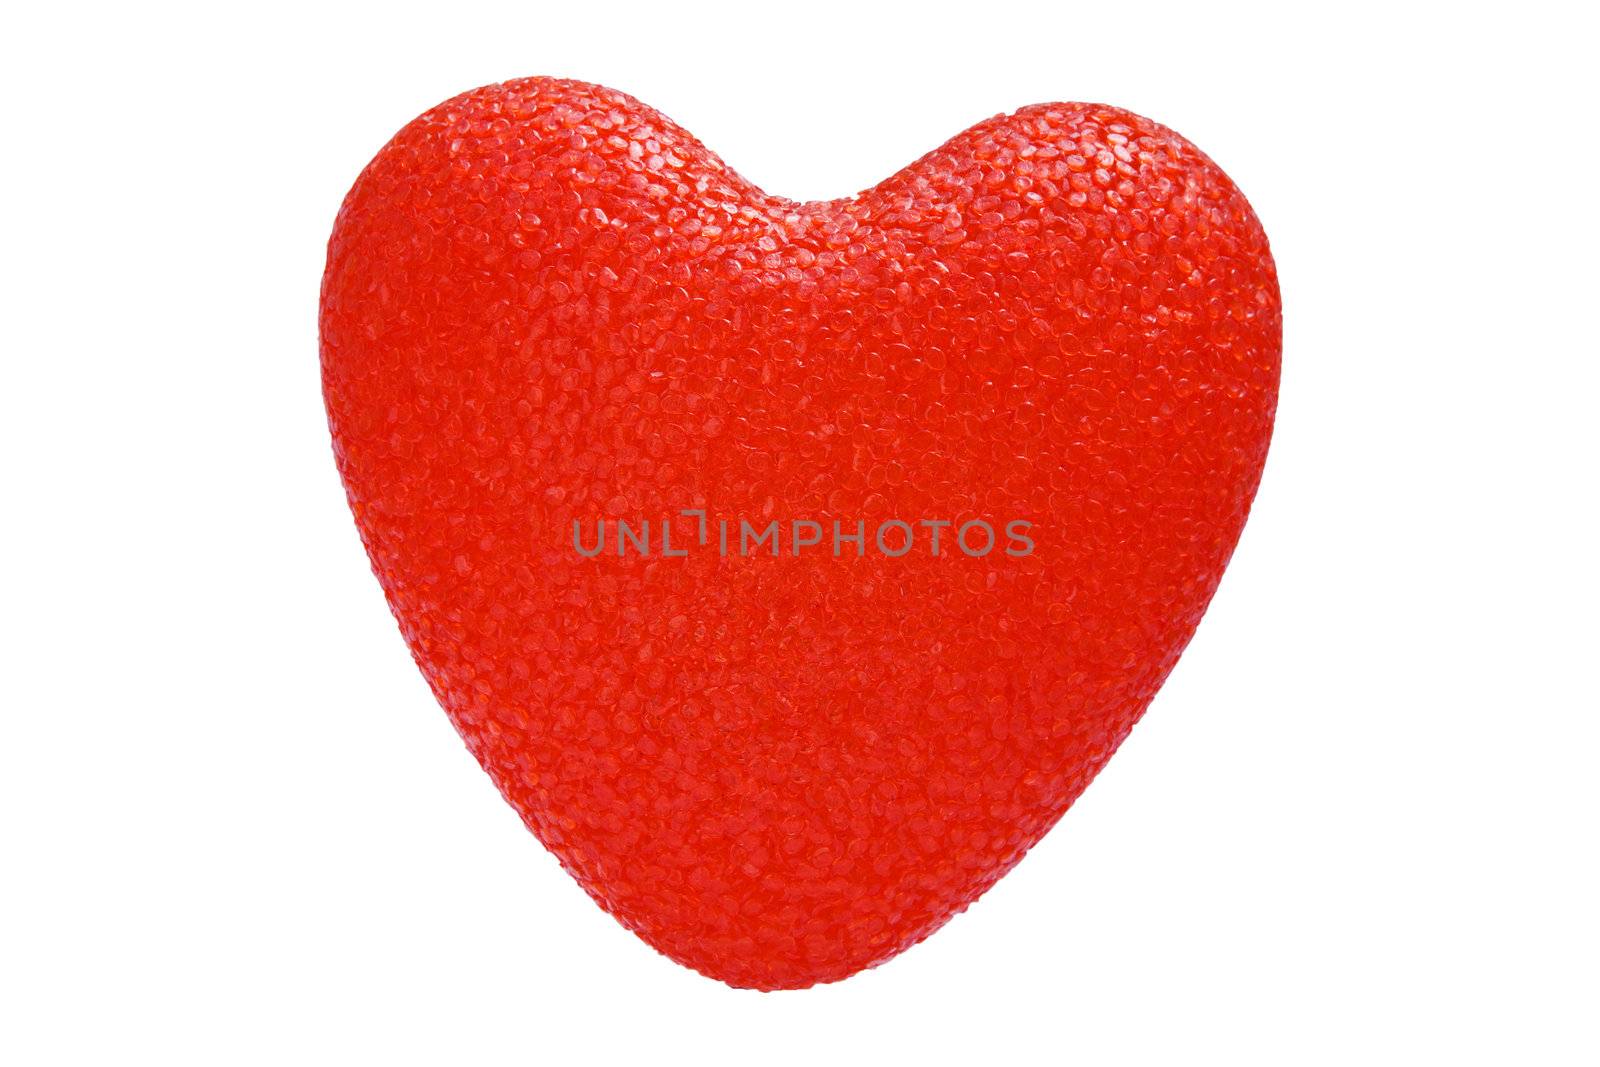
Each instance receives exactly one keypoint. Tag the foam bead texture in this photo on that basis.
(545, 302)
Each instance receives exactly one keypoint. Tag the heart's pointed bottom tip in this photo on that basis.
(777, 974)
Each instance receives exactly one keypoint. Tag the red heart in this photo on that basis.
(546, 304)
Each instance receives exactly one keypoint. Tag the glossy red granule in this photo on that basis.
(547, 304)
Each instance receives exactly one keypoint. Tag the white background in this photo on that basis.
(1358, 824)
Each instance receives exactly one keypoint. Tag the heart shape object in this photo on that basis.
(552, 318)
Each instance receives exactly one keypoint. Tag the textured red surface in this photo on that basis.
(546, 302)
